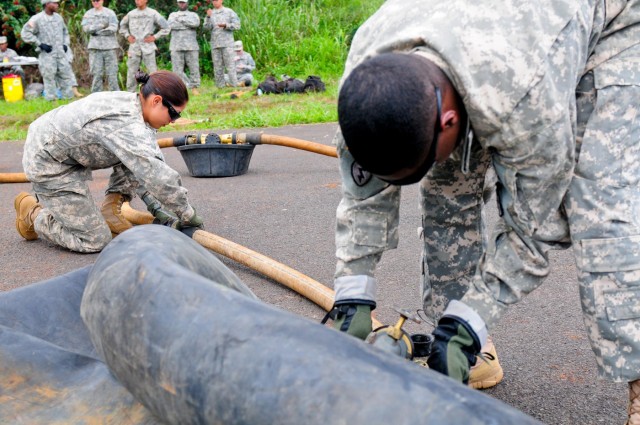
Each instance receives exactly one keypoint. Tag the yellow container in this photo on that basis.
(12, 87)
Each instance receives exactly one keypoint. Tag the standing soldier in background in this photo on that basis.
(222, 22)
(184, 45)
(101, 24)
(48, 32)
(137, 27)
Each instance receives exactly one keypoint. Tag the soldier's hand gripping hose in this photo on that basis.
(169, 219)
(352, 317)
(456, 345)
(194, 221)
(161, 215)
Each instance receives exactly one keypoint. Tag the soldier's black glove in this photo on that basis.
(64, 46)
(352, 317)
(46, 48)
(454, 348)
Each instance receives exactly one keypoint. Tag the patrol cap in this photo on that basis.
(3, 39)
(49, 1)
(237, 45)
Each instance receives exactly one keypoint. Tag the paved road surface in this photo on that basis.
(284, 208)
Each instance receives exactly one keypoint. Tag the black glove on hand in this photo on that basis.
(64, 46)
(46, 48)
(454, 349)
(352, 317)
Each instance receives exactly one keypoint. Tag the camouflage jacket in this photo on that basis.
(140, 24)
(103, 130)
(9, 54)
(497, 55)
(45, 29)
(184, 25)
(222, 37)
(101, 25)
(244, 63)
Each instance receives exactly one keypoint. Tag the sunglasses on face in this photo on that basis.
(173, 114)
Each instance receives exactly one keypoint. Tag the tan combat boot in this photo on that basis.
(27, 209)
(634, 403)
(195, 91)
(112, 212)
(487, 372)
(76, 93)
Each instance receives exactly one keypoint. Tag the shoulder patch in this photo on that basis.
(359, 175)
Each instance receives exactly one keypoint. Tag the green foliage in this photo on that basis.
(212, 109)
(14, 14)
(293, 37)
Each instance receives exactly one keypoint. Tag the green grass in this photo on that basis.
(213, 107)
(294, 37)
(15, 117)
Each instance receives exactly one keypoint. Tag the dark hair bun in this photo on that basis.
(142, 77)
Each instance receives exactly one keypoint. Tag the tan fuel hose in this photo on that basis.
(253, 139)
(13, 178)
(285, 275)
(270, 139)
(246, 138)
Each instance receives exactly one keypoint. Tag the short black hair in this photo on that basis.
(387, 112)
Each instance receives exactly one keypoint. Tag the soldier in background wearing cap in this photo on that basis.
(244, 65)
(9, 55)
(138, 28)
(222, 22)
(184, 45)
(48, 32)
(101, 24)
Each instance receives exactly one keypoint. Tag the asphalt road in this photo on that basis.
(284, 207)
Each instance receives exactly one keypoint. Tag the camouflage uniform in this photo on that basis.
(565, 178)
(222, 43)
(74, 80)
(105, 129)
(102, 26)
(244, 65)
(54, 66)
(141, 23)
(184, 46)
(11, 56)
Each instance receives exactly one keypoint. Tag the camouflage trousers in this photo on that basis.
(453, 228)
(69, 217)
(189, 57)
(133, 65)
(599, 219)
(17, 70)
(223, 59)
(103, 65)
(56, 74)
